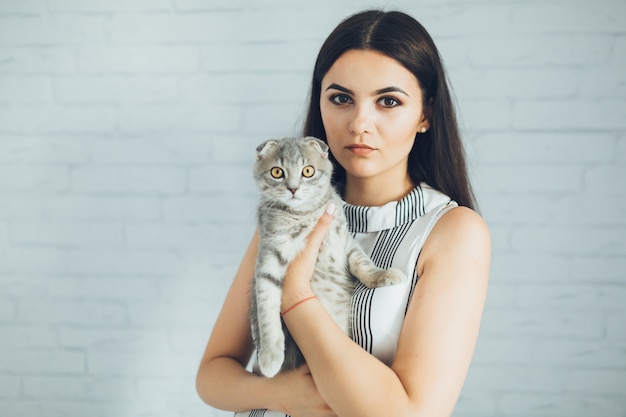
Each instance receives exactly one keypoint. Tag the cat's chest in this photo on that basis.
(286, 232)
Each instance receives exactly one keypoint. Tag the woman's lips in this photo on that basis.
(360, 149)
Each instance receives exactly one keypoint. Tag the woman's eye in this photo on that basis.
(276, 172)
(340, 99)
(308, 171)
(389, 102)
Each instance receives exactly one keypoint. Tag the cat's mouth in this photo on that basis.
(294, 202)
(293, 199)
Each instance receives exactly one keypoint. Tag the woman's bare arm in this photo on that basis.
(437, 339)
(228, 351)
(223, 381)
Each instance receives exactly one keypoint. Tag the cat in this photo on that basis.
(294, 177)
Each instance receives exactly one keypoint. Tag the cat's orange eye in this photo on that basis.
(277, 172)
(308, 171)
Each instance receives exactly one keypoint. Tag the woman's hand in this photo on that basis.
(302, 398)
(296, 284)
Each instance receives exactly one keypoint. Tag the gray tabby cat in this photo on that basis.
(294, 176)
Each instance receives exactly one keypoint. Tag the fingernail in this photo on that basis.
(330, 208)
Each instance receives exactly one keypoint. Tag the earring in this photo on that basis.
(423, 129)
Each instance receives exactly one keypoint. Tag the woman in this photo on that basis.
(379, 98)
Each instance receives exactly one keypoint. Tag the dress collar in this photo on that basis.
(422, 199)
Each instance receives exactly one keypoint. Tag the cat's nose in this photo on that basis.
(293, 190)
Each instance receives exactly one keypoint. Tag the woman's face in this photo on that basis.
(371, 107)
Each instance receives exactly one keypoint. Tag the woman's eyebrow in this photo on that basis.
(334, 86)
(391, 90)
(386, 90)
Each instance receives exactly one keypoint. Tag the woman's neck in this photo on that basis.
(375, 192)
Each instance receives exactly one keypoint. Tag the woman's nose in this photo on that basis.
(361, 121)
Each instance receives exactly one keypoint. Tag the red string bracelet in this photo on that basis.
(282, 313)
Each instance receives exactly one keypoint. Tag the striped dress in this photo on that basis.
(393, 236)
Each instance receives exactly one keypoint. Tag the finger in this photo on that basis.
(321, 228)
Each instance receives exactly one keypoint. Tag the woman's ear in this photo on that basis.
(423, 125)
(427, 114)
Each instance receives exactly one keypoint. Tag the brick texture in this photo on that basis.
(127, 134)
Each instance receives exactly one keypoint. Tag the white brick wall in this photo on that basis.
(127, 130)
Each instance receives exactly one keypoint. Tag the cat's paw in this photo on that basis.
(271, 358)
(387, 277)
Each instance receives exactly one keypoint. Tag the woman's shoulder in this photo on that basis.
(463, 220)
(462, 227)
(461, 233)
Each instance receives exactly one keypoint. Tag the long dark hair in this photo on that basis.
(437, 157)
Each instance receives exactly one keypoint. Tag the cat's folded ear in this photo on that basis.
(319, 144)
(264, 148)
